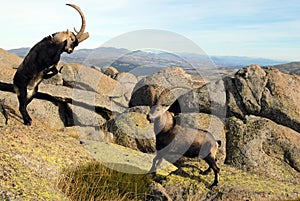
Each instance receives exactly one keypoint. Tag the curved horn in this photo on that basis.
(81, 36)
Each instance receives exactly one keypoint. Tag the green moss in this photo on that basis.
(25, 184)
(234, 184)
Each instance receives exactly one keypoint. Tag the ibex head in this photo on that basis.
(162, 103)
(71, 39)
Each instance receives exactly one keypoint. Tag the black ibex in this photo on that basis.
(41, 63)
(173, 139)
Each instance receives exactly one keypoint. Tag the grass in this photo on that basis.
(95, 181)
(234, 184)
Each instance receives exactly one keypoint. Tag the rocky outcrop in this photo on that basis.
(132, 129)
(253, 90)
(210, 98)
(75, 96)
(110, 71)
(148, 89)
(127, 80)
(8, 63)
(262, 146)
(269, 93)
(124, 159)
(255, 113)
(51, 112)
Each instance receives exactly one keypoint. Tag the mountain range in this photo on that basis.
(126, 60)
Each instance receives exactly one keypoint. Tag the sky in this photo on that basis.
(252, 28)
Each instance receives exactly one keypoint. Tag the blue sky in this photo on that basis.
(254, 28)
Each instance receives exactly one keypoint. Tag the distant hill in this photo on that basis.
(237, 61)
(9, 59)
(292, 68)
(126, 60)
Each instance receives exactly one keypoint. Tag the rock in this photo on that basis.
(234, 101)
(50, 113)
(169, 78)
(133, 130)
(90, 79)
(281, 97)
(126, 78)
(250, 83)
(88, 98)
(3, 113)
(55, 80)
(211, 98)
(53, 114)
(87, 78)
(69, 73)
(158, 193)
(8, 65)
(124, 159)
(88, 133)
(86, 115)
(128, 81)
(110, 72)
(262, 146)
(208, 123)
(265, 92)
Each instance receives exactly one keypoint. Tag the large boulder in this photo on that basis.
(132, 129)
(210, 98)
(52, 113)
(110, 71)
(90, 79)
(83, 97)
(83, 133)
(8, 64)
(265, 92)
(148, 89)
(269, 93)
(281, 98)
(250, 82)
(124, 159)
(262, 146)
(3, 114)
(127, 80)
(84, 115)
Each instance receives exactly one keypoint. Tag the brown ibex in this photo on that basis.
(173, 139)
(41, 63)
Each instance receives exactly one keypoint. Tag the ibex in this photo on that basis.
(41, 63)
(173, 139)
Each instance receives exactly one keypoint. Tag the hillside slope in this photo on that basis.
(260, 138)
(32, 159)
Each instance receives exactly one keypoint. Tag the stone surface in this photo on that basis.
(110, 71)
(169, 78)
(132, 129)
(81, 96)
(125, 159)
(262, 146)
